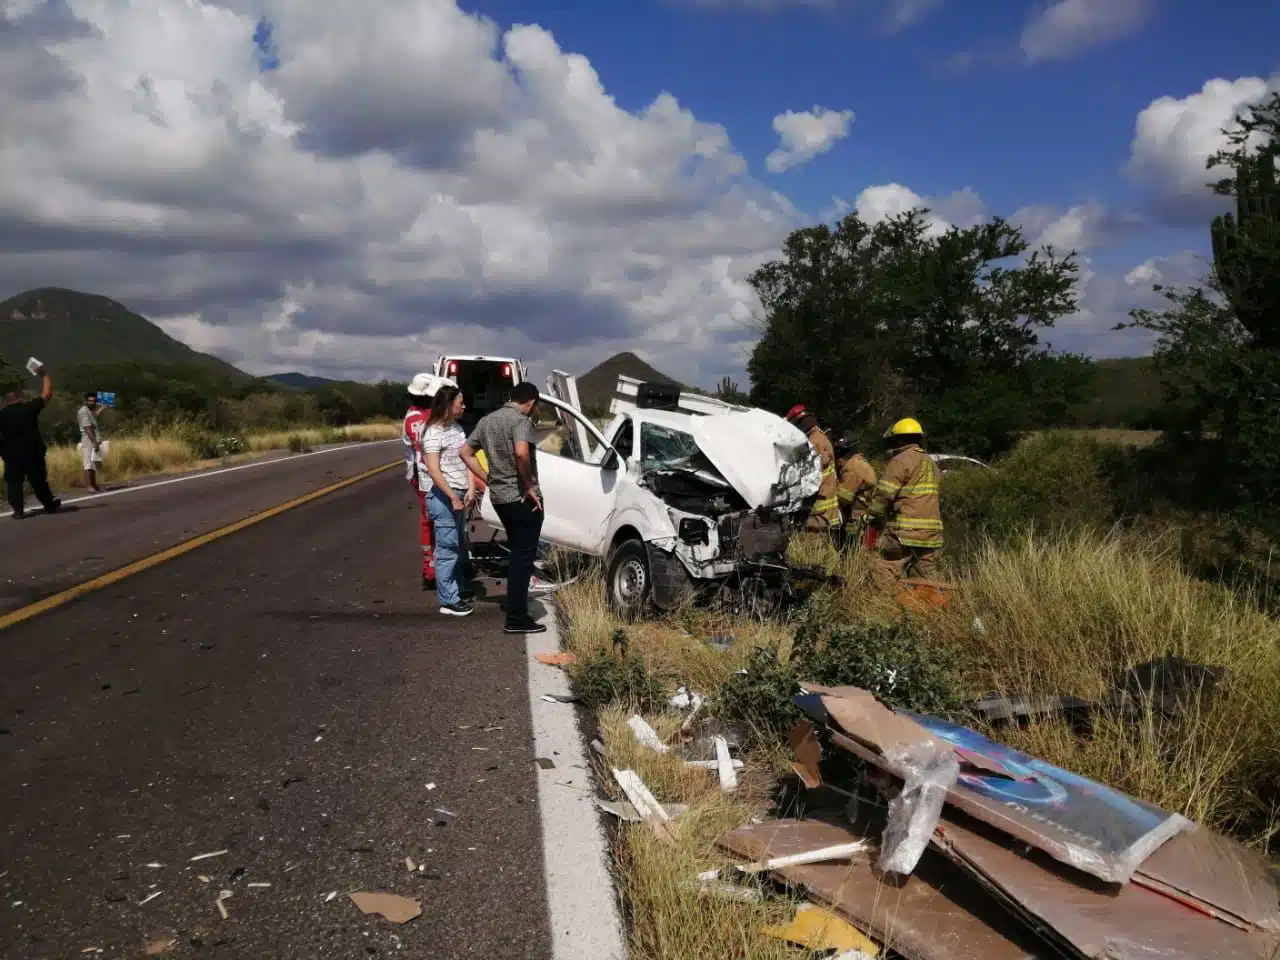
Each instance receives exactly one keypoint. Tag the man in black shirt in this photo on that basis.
(22, 448)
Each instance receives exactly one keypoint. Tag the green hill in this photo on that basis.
(1125, 393)
(595, 387)
(301, 381)
(66, 327)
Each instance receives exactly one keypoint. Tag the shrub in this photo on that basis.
(1051, 481)
(298, 444)
(603, 679)
(898, 661)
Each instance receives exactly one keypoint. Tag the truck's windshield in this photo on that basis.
(663, 446)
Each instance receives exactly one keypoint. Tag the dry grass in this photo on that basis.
(1124, 438)
(170, 452)
(1061, 615)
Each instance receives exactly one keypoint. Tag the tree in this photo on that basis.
(1218, 344)
(1246, 246)
(867, 323)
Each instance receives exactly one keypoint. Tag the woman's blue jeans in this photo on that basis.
(450, 529)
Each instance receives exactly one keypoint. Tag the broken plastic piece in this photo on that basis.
(928, 770)
(724, 765)
(395, 908)
(804, 741)
(651, 812)
(149, 897)
(206, 856)
(561, 658)
(625, 811)
(817, 929)
(684, 700)
(645, 734)
(839, 851)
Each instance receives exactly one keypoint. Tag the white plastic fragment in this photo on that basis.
(149, 897)
(854, 954)
(291, 867)
(928, 769)
(724, 765)
(645, 735)
(839, 851)
(203, 879)
(207, 856)
(260, 885)
(154, 866)
(638, 794)
(409, 864)
(332, 894)
(684, 700)
(431, 786)
(711, 764)
(447, 813)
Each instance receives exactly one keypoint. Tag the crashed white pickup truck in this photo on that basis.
(678, 494)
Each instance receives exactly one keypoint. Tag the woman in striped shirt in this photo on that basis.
(452, 493)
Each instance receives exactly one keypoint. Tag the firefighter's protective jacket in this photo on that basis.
(827, 506)
(906, 499)
(857, 483)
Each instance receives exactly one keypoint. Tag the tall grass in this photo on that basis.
(185, 447)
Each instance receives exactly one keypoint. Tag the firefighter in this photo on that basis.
(905, 506)
(856, 483)
(824, 516)
(422, 391)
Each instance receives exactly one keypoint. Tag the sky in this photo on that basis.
(349, 188)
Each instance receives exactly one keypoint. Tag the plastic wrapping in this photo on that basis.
(928, 769)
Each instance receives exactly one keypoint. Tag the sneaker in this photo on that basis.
(540, 588)
(528, 625)
(456, 609)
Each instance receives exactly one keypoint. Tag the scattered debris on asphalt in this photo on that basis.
(149, 897)
(220, 902)
(331, 896)
(208, 856)
(156, 948)
(391, 906)
(561, 658)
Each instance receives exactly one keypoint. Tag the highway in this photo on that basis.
(287, 694)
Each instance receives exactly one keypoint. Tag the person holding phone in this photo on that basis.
(22, 448)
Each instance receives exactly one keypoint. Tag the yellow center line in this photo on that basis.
(115, 576)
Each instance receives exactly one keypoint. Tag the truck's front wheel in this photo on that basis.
(628, 580)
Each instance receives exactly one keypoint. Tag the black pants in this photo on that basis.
(523, 524)
(31, 470)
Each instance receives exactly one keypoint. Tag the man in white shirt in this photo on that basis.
(91, 452)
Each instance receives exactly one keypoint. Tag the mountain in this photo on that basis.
(301, 381)
(66, 327)
(595, 387)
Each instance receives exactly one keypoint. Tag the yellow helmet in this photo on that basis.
(907, 426)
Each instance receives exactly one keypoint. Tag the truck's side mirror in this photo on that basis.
(611, 460)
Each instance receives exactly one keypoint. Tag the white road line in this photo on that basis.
(221, 470)
(585, 924)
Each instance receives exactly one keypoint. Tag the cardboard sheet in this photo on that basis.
(1078, 821)
(936, 914)
(1220, 873)
(1096, 920)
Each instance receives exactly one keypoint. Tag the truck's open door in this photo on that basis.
(565, 389)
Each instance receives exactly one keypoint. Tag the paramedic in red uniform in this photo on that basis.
(422, 390)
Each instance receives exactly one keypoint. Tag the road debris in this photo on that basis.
(645, 734)
(410, 865)
(625, 811)
(156, 948)
(149, 897)
(220, 902)
(818, 929)
(562, 658)
(331, 896)
(724, 765)
(204, 879)
(1007, 857)
(208, 856)
(393, 907)
(259, 885)
(651, 812)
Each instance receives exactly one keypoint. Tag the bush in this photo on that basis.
(1052, 481)
(604, 679)
(298, 444)
(897, 661)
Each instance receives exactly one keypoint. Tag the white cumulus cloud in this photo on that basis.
(803, 135)
(407, 179)
(962, 208)
(1068, 28)
(1173, 138)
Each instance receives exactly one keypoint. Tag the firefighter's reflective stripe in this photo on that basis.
(825, 506)
(844, 495)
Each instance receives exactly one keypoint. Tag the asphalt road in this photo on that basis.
(41, 555)
(288, 694)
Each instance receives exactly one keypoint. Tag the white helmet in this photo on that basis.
(428, 384)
